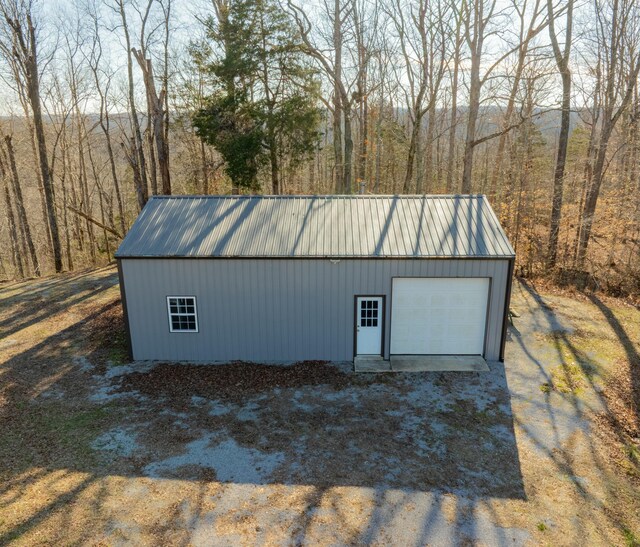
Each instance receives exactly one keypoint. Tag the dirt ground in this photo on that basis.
(96, 450)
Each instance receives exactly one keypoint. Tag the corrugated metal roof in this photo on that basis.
(316, 226)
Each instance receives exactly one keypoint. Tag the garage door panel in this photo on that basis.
(439, 315)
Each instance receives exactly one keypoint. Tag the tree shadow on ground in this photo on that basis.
(410, 434)
(426, 431)
(570, 399)
(631, 350)
(33, 305)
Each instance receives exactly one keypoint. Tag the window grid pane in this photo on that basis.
(369, 310)
(182, 314)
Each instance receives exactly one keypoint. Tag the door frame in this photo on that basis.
(489, 297)
(354, 320)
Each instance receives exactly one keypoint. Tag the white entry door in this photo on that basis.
(369, 325)
(439, 315)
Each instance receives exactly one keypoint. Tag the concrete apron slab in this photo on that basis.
(438, 363)
(370, 363)
(420, 363)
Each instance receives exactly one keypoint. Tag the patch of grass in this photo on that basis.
(584, 357)
(466, 412)
(541, 526)
(118, 353)
(21, 405)
(633, 453)
(575, 372)
(54, 432)
(73, 429)
(632, 462)
(552, 335)
(82, 420)
(573, 335)
(568, 378)
(631, 540)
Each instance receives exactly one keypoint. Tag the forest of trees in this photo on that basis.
(534, 103)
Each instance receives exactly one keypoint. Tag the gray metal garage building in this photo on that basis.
(291, 278)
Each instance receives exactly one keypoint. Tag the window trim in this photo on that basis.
(381, 323)
(195, 314)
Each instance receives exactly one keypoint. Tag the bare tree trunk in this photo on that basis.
(499, 156)
(65, 214)
(104, 227)
(475, 38)
(476, 31)
(439, 157)
(611, 31)
(153, 173)
(525, 167)
(104, 120)
(337, 103)
(22, 214)
(137, 159)
(33, 92)
(43, 200)
(413, 31)
(312, 175)
(13, 234)
(85, 198)
(428, 155)
(364, 142)
(205, 168)
(348, 148)
(102, 195)
(275, 174)
(592, 193)
(453, 119)
(163, 157)
(472, 116)
(363, 103)
(414, 140)
(525, 35)
(378, 164)
(76, 201)
(342, 101)
(589, 160)
(114, 174)
(562, 62)
(420, 161)
(96, 222)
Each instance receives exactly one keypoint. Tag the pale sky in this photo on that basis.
(58, 24)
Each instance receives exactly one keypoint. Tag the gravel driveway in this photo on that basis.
(98, 450)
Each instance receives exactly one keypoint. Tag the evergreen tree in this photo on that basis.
(263, 111)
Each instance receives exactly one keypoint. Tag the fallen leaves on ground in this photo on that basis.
(236, 379)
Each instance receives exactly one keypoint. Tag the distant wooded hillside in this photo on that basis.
(533, 103)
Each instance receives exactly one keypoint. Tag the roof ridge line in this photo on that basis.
(322, 196)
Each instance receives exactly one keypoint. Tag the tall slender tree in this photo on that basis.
(562, 56)
(617, 37)
(330, 60)
(135, 152)
(19, 40)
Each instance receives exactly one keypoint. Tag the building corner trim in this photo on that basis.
(125, 313)
(507, 300)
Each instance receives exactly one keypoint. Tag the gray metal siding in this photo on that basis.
(316, 226)
(279, 310)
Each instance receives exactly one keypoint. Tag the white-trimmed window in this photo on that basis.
(183, 315)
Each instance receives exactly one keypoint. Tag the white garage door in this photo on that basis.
(439, 316)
